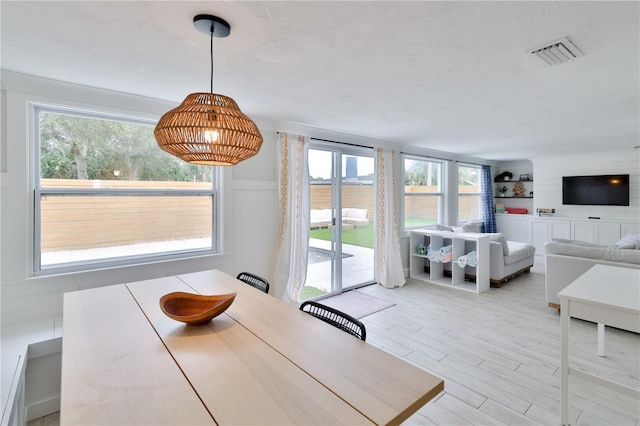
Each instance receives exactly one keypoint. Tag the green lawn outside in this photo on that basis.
(310, 293)
(412, 221)
(361, 236)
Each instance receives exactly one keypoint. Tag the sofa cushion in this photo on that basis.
(594, 252)
(319, 214)
(629, 241)
(576, 242)
(358, 213)
(443, 228)
(468, 227)
(354, 213)
(499, 237)
(518, 251)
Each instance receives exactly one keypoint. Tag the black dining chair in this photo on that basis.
(254, 281)
(336, 318)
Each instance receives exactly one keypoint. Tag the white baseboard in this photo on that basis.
(42, 408)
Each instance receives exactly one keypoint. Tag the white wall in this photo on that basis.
(255, 211)
(3, 147)
(548, 172)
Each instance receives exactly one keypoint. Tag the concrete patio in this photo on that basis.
(356, 269)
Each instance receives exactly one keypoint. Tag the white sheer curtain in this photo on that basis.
(293, 246)
(389, 271)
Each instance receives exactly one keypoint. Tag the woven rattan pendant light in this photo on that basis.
(208, 128)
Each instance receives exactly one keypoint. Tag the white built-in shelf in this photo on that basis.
(505, 182)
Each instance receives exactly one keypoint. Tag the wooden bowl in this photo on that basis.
(194, 309)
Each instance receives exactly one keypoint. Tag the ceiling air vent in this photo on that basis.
(557, 52)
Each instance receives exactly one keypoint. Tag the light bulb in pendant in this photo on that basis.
(211, 136)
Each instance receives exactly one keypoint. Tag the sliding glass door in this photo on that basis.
(341, 252)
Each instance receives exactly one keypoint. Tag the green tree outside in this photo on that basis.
(76, 147)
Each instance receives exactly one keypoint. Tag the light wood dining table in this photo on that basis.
(262, 362)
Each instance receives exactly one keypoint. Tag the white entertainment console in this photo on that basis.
(462, 243)
(538, 231)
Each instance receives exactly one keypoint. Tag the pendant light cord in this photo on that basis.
(211, 54)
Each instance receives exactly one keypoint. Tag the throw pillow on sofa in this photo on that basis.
(629, 241)
(443, 228)
(468, 227)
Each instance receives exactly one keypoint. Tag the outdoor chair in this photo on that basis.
(344, 322)
(254, 281)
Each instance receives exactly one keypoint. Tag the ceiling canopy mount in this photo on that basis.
(212, 25)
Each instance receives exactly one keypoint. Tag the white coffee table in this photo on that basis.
(606, 295)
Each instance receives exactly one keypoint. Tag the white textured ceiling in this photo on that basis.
(451, 76)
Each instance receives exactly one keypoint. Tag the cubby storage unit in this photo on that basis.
(462, 243)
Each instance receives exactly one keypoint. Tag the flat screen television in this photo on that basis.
(602, 190)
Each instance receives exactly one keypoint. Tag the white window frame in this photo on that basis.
(441, 193)
(91, 265)
(478, 195)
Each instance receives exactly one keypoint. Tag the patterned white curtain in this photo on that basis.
(293, 245)
(389, 271)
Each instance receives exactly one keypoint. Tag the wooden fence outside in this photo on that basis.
(79, 222)
(427, 207)
(353, 196)
(75, 222)
(363, 196)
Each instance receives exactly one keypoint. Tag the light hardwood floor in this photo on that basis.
(50, 420)
(499, 354)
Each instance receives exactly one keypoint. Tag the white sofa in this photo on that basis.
(566, 260)
(505, 265)
(321, 218)
(355, 217)
(507, 258)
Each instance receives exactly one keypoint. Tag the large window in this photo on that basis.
(423, 194)
(469, 192)
(106, 193)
